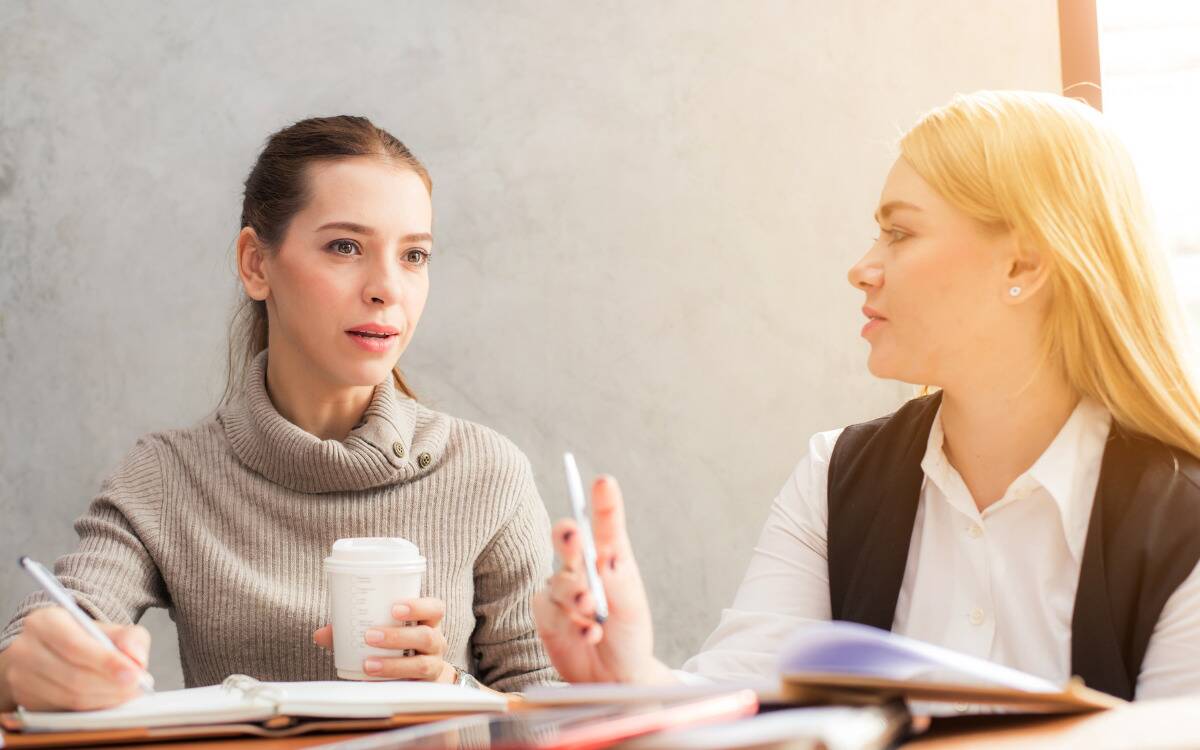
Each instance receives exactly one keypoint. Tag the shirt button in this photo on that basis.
(398, 449)
(976, 616)
(962, 708)
(424, 460)
(975, 531)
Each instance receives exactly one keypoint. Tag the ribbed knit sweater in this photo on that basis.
(226, 525)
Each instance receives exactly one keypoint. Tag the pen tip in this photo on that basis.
(21, 560)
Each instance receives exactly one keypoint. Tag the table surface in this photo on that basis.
(1173, 723)
(1164, 724)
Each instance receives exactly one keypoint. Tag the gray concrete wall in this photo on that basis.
(645, 212)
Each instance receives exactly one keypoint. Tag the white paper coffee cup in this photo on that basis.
(367, 576)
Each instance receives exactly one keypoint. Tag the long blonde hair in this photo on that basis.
(1048, 168)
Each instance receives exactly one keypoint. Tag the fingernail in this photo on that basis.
(374, 636)
(400, 611)
(127, 676)
(372, 665)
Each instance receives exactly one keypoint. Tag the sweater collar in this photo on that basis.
(386, 447)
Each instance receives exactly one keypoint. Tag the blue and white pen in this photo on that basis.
(63, 598)
(583, 521)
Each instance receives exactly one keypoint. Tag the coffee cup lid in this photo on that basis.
(387, 552)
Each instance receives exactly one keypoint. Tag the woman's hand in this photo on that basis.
(622, 649)
(425, 638)
(54, 665)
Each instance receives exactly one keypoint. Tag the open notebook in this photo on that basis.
(242, 699)
(842, 661)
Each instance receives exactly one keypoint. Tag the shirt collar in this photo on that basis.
(1067, 470)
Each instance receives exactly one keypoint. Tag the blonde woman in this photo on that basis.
(1041, 509)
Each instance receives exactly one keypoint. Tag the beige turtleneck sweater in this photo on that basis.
(226, 524)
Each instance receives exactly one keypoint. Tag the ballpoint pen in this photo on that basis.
(63, 598)
(579, 509)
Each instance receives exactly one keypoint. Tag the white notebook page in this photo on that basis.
(242, 699)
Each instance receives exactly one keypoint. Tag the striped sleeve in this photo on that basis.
(112, 573)
(505, 646)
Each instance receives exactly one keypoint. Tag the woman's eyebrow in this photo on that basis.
(887, 208)
(351, 226)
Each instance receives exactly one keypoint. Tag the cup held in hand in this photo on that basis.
(367, 576)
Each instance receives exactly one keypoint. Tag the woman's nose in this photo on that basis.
(866, 274)
(384, 285)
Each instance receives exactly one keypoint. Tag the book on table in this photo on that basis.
(243, 705)
(843, 662)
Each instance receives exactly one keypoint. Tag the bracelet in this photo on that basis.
(464, 678)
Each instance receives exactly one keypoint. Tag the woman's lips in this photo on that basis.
(373, 342)
(875, 319)
(871, 325)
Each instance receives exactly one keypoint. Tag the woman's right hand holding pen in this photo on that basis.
(54, 665)
(582, 650)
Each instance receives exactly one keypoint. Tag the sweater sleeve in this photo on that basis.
(505, 646)
(111, 573)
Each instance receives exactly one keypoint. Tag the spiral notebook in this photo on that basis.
(244, 705)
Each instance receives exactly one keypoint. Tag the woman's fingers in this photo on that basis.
(59, 634)
(422, 667)
(31, 658)
(565, 536)
(560, 628)
(323, 636)
(41, 677)
(36, 691)
(621, 650)
(39, 691)
(427, 611)
(567, 593)
(424, 638)
(420, 638)
(608, 519)
(132, 640)
(569, 590)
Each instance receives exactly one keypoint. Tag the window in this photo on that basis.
(1150, 76)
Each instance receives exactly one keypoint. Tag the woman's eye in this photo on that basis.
(344, 247)
(417, 256)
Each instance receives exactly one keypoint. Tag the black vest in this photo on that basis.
(1143, 537)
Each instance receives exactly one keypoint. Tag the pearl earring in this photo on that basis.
(1014, 291)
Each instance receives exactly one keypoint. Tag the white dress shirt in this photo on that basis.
(998, 584)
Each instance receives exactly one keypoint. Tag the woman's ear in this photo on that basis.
(1028, 272)
(251, 268)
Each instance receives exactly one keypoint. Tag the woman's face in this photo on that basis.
(937, 287)
(349, 280)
